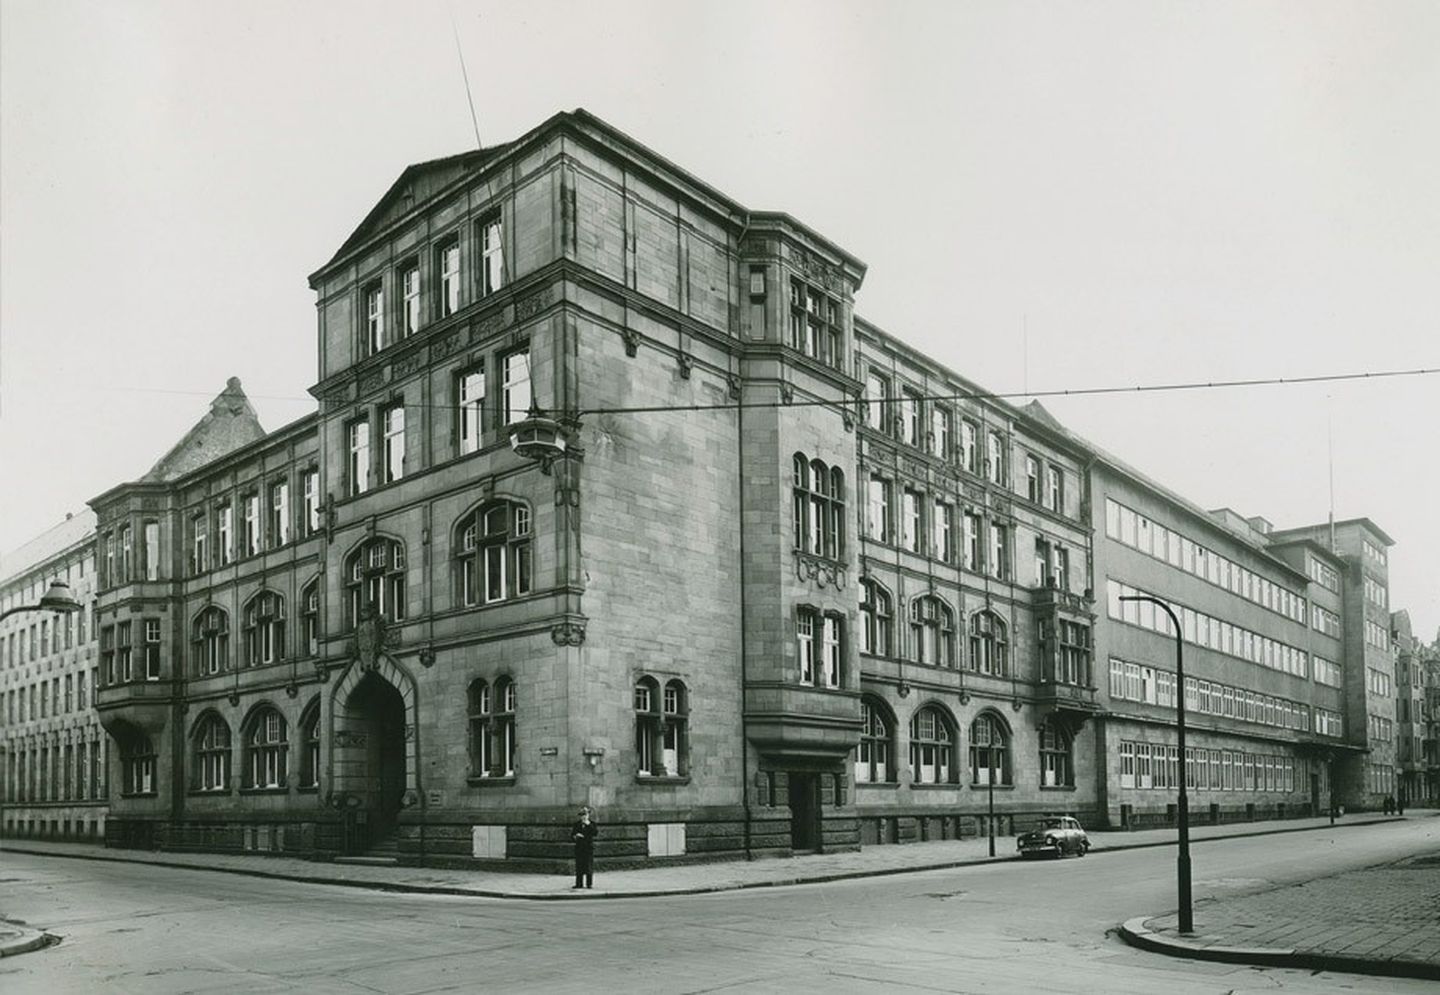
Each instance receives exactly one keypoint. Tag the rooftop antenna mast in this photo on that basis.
(1330, 457)
(469, 97)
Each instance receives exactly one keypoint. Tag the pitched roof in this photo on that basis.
(229, 424)
(413, 187)
(54, 540)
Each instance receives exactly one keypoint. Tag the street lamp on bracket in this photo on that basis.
(57, 599)
(538, 437)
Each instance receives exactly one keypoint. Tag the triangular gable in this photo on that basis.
(229, 424)
(417, 184)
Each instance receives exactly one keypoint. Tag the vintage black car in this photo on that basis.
(1054, 834)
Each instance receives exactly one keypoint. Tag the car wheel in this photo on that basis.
(1083, 848)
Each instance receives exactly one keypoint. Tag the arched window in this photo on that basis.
(989, 648)
(137, 764)
(493, 554)
(375, 581)
(819, 507)
(1057, 768)
(932, 747)
(989, 750)
(661, 716)
(211, 639)
(932, 631)
(872, 764)
(878, 620)
(212, 754)
(264, 629)
(310, 618)
(492, 728)
(266, 749)
(310, 743)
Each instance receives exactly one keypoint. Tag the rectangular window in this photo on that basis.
(151, 550)
(152, 649)
(879, 509)
(1055, 493)
(974, 556)
(394, 426)
(805, 632)
(944, 532)
(877, 391)
(1032, 479)
(373, 334)
(909, 417)
(940, 431)
(358, 433)
(995, 463)
(448, 261)
(969, 447)
(830, 658)
(999, 550)
(910, 520)
(250, 539)
(279, 513)
(472, 409)
(123, 650)
(492, 255)
(410, 298)
(516, 388)
(224, 530)
(312, 501)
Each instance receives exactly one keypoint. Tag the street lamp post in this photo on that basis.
(57, 599)
(1182, 861)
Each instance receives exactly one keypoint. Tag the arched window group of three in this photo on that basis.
(932, 633)
(934, 745)
(265, 743)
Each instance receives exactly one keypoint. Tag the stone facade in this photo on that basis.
(54, 748)
(611, 500)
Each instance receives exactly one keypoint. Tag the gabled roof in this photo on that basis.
(229, 424)
(76, 528)
(415, 186)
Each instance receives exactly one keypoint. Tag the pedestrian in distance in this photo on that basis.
(583, 833)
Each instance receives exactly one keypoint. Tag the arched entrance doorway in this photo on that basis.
(372, 761)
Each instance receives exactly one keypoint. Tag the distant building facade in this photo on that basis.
(55, 751)
(788, 584)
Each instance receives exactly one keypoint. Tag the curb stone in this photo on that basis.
(25, 941)
(1136, 933)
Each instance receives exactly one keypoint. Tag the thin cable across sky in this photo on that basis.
(977, 395)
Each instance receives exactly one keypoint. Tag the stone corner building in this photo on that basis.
(791, 585)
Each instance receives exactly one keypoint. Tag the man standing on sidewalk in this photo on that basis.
(583, 833)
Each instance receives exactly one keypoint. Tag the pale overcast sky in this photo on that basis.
(1153, 192)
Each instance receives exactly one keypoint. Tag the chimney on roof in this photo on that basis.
(1262, 525)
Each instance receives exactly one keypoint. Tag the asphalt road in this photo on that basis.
(1014, 927)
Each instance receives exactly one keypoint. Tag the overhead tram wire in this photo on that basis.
(978, 395)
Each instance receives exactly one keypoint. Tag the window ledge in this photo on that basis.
(668, 779)
(926, 786)
(139, 794)
(997, 787)
(1058, 787)
(265, 791)
(208, 792)
(308, 789)
(476, 780)
(888, 785)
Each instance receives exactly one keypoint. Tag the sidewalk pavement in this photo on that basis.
(672, 879)
(1376, 920)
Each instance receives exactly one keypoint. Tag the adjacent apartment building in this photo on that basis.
(55, 752)
(612, 499)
